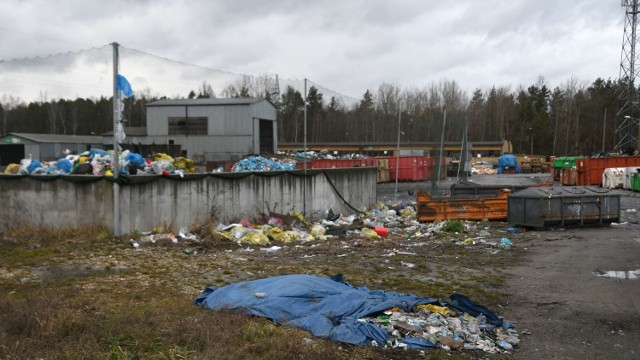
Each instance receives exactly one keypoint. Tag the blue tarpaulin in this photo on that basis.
(507, 160)
(327, 307)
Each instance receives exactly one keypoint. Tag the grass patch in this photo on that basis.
(102, 299)
(453, 226)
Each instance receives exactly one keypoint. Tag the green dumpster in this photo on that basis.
(635, 181)
(565, 162)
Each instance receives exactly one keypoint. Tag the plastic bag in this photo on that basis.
(278, 235)
(255, 238)
(12, 169)
(318, 230)
(164, 157)
(136, 159)
(370, 233)
(64, 165)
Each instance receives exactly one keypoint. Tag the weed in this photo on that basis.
(453, 226)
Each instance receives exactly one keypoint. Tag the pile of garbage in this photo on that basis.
(446, 328)
(259, 163)
(100, 162)
(334, 309)
(322, 155)
(397, 221)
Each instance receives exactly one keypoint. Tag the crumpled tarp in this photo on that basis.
(327, 307)
(507, 160)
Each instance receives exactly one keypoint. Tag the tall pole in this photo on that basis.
(444, 122)
(398, 150)
(463, 152)
(531, 152)
(304, 146)
(604, 128)
(115, 165)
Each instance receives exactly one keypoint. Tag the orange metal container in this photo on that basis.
(568, 176)
(462, 208)
(590, 170)
(333, 164)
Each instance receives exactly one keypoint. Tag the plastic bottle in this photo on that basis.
(505, 345)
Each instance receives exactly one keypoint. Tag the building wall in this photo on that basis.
(233, 129)
(174, 203)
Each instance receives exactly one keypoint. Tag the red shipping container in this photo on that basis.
(590, 170)
(411, 168)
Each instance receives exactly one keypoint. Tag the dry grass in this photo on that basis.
(144, 310)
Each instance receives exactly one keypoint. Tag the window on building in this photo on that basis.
(188, 126)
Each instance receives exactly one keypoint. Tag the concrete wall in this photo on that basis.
(175, 203)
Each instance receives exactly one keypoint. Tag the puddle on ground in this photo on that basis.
(620, 274)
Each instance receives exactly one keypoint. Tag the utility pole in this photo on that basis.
(604, 128)
(115, 164)
(398, 150)
(304, 146)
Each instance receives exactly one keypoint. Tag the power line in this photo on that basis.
(347, 97)
(48, 56)
(41, 59)
(182, 62)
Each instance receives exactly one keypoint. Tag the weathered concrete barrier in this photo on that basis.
(150, 201)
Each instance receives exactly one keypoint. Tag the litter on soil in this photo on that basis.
(434, 325)
(335, 309)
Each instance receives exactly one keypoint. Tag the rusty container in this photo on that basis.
(568, 176)
(462, 208)
(590, 170)
(542, 207)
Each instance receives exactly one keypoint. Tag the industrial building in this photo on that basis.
(17, 146)
(213, 129)
(205, 130)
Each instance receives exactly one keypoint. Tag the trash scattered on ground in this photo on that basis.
(334, 309)
(382, 223)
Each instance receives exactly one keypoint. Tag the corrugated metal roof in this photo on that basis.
(205, 102)
(131, 131)
(57, 138)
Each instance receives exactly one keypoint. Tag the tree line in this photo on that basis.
(574, 118)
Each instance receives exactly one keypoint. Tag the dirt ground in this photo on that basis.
(571, 312)
(557, 291)
(549, 282)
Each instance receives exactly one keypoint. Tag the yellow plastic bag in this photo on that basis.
(318, 230)
(255, 238)
(293, 235)
(435, 308)
(162, 156)
(185, 164)
(300, 217)
(12, 169)
(408, 212)
(370, 233)
(278, 235)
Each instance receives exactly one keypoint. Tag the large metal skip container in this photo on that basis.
(563, 206)
(462, 208)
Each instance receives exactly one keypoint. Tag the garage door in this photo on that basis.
(11, 154)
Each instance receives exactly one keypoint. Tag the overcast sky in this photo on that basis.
(344, 45)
